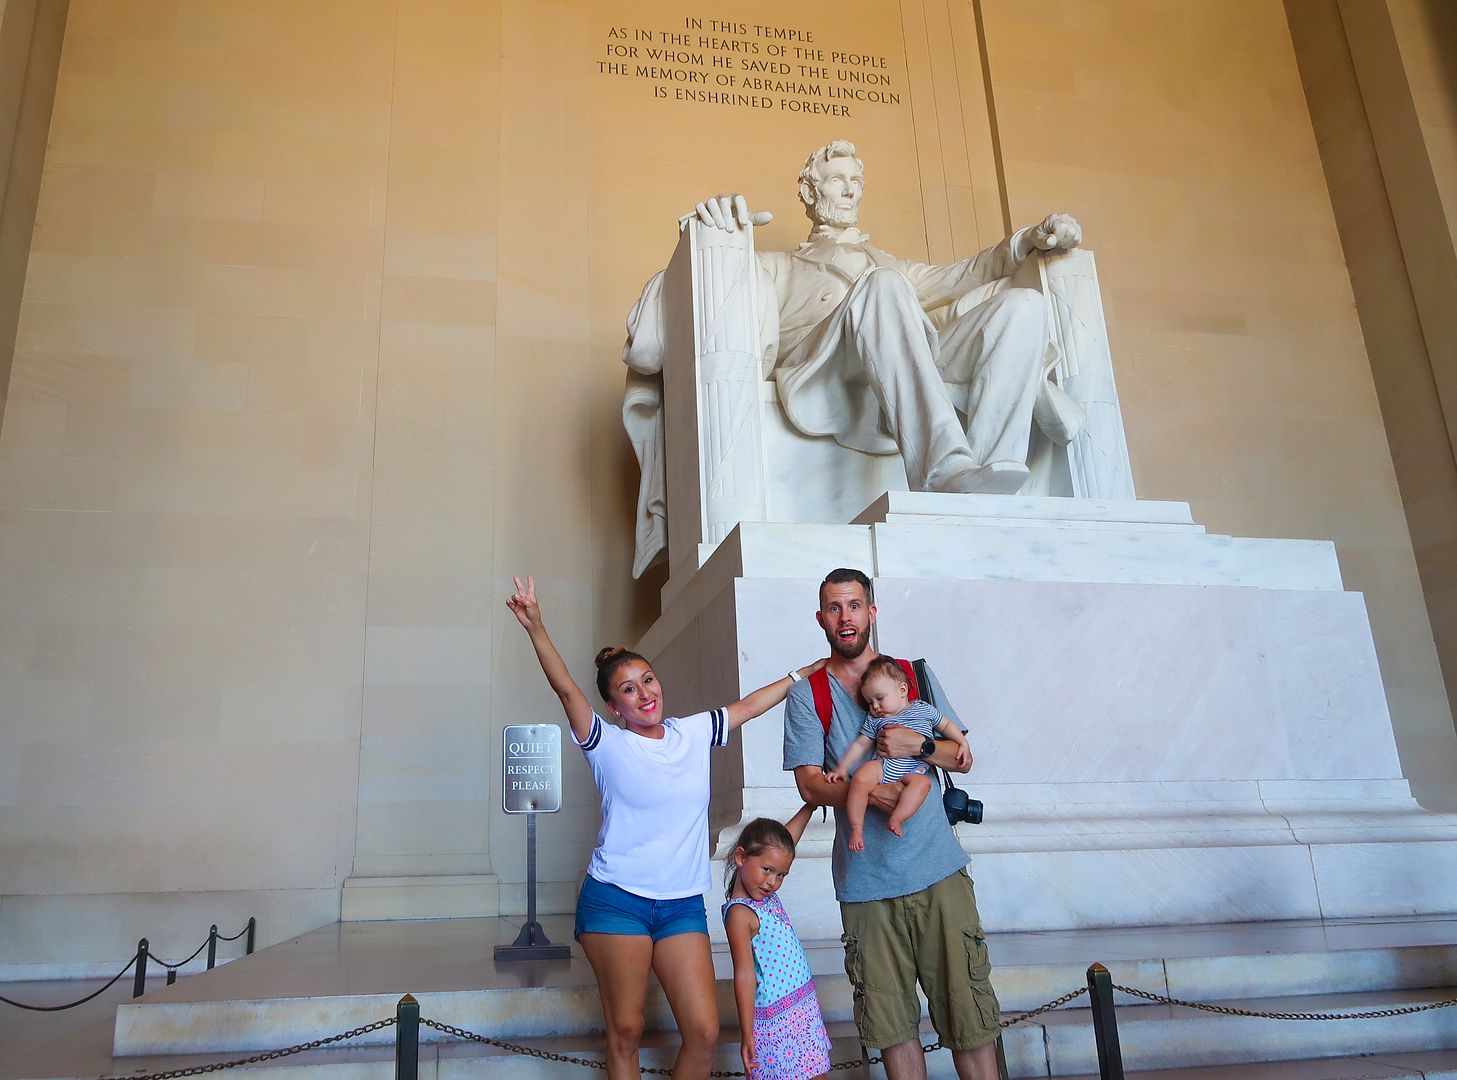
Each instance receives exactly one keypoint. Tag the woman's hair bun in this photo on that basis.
(608, 654)
(608, 661)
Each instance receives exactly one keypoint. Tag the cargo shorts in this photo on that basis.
(933, 937)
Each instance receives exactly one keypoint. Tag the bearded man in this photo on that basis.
(906, 902)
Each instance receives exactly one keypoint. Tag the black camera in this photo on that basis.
(959, 806)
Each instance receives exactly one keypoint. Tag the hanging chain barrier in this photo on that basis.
(1230, 1010)
(590, 1063)
(408, 1021)
(272, 1055)
(73, 1004)
(529, 1051)
(1058, 1002)
(139, 962)
(1055, 1003)
(570, 1059)
(173, 965)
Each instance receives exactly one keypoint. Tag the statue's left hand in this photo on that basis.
(1058, 232)
(729, 213)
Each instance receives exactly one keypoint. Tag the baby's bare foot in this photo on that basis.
(857, 840)
(895, 827)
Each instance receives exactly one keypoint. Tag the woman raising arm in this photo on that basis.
(641, 905)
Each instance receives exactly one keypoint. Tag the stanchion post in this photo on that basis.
(1002, 1073)
(252, 933)
(407, 1039)
(212, 946)
(139, 979)
(534, 751)
(1105, 1023)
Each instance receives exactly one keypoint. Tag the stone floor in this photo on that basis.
(455, 955)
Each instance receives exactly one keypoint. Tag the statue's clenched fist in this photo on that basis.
(1057, 232)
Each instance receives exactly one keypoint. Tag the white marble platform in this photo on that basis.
(1022, 538)
(936, 508)
(1169, 726)
(365, 899)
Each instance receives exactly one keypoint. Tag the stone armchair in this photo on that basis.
(716, 447)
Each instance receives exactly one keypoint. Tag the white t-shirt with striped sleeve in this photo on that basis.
(654, 835)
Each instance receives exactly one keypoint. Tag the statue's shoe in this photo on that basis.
(993, 478)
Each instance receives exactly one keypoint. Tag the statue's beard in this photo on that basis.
(827, 214)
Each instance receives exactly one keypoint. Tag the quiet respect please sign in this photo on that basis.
(531, 768)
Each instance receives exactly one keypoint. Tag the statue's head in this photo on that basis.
(831, 182)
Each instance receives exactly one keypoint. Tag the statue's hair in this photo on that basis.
(809, 176)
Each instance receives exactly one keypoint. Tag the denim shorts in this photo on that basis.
(606, 909)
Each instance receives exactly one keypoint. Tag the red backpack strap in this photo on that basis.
(819, 684)
(914, 693)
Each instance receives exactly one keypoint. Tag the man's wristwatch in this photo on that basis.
(928, 747)
(795, 676)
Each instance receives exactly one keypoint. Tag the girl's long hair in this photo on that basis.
(759, 834)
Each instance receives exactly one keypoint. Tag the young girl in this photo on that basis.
(641, 905)
(783, 1033)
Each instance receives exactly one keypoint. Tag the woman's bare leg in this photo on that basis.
(684, 965)
(621, 963)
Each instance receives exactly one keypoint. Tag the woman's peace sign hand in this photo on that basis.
(523, 604)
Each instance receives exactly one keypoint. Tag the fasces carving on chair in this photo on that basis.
(951, 367)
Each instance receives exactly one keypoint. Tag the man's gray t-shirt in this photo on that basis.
(890, 865)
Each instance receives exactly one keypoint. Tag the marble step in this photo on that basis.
(935, 508)
(455, 1060)
(1161, 1037)
(169, 1021)
(1205, 1047)
(1031, 551)
(1422, 1065)
(452, 1061)
(1051, 1045)
(345, 975)
(1190, 1046)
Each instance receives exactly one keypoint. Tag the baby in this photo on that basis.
(886, 692)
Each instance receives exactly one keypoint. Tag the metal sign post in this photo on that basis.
(531, 784)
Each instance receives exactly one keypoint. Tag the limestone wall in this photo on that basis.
(1378, 83)
(320, 345)
(30, 51)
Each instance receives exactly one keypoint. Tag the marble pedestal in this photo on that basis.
(1169, 726)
